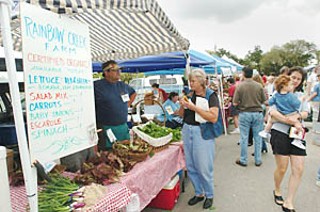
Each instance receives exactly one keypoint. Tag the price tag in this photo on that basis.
(111, 136)
(49, 166)
(92, 134)
(169, 109)
(136, 118)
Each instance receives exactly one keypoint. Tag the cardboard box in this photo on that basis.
(168, 196)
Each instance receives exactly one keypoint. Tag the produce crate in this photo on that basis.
(156, 142)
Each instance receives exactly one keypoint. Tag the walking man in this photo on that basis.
(249, 96)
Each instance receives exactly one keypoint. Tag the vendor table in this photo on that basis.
(148, 177)
(117, 197)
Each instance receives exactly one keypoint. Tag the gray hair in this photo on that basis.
(200, 75)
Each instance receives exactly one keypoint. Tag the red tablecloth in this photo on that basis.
(117, 197)
(148, 177)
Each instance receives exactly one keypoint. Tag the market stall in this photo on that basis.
(136, 29)
(146, 179)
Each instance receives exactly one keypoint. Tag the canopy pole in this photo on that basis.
(220, 86)
(29, 172)
(188, 68)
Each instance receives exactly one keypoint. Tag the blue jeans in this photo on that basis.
(264, 145)
(199, 155)
(249, 120)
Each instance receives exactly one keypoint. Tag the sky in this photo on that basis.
(240, 25)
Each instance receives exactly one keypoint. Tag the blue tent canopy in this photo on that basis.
(166, 61)
(208, 69)
(219, 66)
(172, 61)
(221, 62)
(96, 67)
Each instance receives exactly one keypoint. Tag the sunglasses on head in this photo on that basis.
(114, 69)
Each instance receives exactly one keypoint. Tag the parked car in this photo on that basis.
(169, 83)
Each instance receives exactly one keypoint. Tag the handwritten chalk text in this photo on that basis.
(37, 58)
(37, 116)
(60, 113)
(40, 96)
(53, 34)
(49, 132)
(44, 105)
(34, 79)
(76, 80)
(46, 123)
(47, 31)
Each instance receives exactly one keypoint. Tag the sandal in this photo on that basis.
(278, 199)
(287, 209)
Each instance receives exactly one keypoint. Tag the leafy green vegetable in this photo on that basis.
(154, 130)
(157, 131)
(55, 195)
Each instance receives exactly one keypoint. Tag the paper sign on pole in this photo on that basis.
(58, 84)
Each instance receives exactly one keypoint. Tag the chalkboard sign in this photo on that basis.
(58, 84)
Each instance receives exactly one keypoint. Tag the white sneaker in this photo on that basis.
(298, 143)
(318, 183)
(235, 131)
(264, 134)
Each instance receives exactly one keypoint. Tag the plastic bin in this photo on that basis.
(168, 196)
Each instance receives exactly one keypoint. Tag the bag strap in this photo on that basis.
(208, 93)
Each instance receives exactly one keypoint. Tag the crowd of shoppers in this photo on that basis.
(278, 99)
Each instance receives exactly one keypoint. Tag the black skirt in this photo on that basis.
(281, 144)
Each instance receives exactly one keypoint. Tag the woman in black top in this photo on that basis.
(198, 145)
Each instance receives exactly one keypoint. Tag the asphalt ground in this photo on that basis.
(249, 189)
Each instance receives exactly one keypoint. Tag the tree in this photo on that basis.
(272, 61)
(127, 77)
(298, 53)
(293, 53)
(221, 51)
(253, 58)
(317, 56)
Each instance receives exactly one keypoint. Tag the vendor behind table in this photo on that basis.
(112, 99)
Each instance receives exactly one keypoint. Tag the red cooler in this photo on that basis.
(168, 196)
